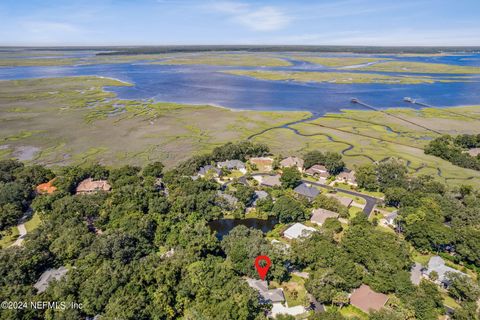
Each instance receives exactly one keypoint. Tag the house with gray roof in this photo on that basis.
(390, 218)
(307, 191)
(231, 200)
(267, 295)
(209, 168)
(48, 276)
(259, 195)
(437, 264)
(233, 165)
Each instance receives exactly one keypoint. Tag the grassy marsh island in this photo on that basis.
(420, 67)
(333, 77)
(38, 62)
(228, 59)
(338, 61)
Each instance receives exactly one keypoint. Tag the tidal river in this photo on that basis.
(197, 84)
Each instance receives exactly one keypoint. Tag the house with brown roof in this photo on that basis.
(46, 188)
(91, 186)
(317, 170)
(292, 162)
(271, 181)
(264, 164)
(474, 152)
(367, 300)
(320, 215)
(347, 176)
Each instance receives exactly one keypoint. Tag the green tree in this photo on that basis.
(366, 177)
(290, 178)
(287, 210)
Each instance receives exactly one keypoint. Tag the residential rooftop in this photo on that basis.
(367, 300)
(320, 215)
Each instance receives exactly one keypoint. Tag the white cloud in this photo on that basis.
(266, 18)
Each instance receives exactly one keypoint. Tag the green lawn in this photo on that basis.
(352, 312)
(347, 186)
(33, 223)
(9, 237)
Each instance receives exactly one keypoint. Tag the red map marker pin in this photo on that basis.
(262, 270)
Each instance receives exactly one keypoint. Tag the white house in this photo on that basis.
(298, 230)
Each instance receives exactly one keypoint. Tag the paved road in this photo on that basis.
(22, 232)
(371, 201)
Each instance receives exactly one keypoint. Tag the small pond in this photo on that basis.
(223, 226)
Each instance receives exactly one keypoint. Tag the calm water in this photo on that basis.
(223, 226)
(206, 85)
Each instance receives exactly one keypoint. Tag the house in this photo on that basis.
(307, 191)
(474, 152)
(292, 162)
(233, 165)
(347, 176)
(344, 201)
(271, 181)
(390, 218)
(437, 264)
(416, 274)
(91, 186)
(320, 215)
(298, 230)
(259, 194)
(209, 168)
(231, 200)
(48, 276)
(264, 164)
(316, 170)
(267, 295)
(367, 300)
(46, 188)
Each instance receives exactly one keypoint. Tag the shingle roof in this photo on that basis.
(320, 215)
(205, 169)
(437, 264)
(46, 187)
(317, 169)
(271, 181)
(292, 162)
(366, 299)
(48, 276)
(306, 191)
(90, 185)
(231, 164)
(273, 295)
(348, 175)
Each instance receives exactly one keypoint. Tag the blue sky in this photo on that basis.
(163, 22)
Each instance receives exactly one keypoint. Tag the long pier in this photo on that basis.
(355, 100)
(414, 101)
